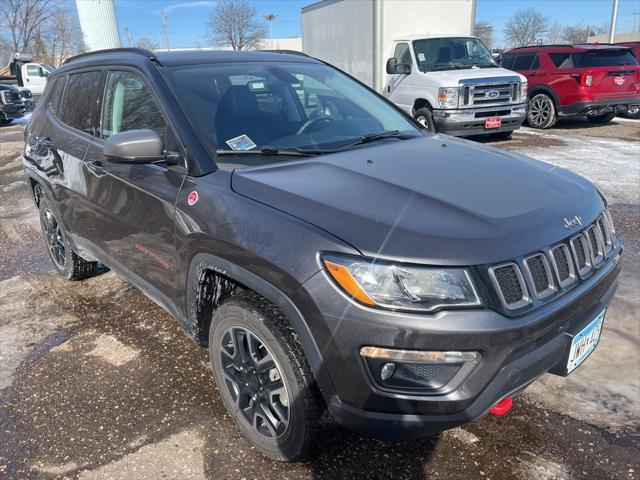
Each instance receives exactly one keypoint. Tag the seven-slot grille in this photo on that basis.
(555, 269)
(490, 94)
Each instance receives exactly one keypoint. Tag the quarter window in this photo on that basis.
(81, 100)
(129, 105)
(562, 60)
(402, 54)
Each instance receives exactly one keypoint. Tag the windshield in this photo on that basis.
(435, 54)
(253, 106)
(47, 67)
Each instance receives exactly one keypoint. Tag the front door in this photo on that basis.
(134, 204)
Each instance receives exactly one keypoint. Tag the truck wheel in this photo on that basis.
(68, 264)
(5, 121)
(264, 378)
(425, 118)
(601, 119)
(541, 112)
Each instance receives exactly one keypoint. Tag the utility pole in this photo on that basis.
(165, 30)
(270, 17)
(614, 18)
(126, 30)
(635, 21)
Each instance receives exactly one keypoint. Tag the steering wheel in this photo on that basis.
(313, 121)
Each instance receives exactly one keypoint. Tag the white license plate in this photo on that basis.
(585, 342)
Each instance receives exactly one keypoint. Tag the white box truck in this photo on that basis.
(422, 56)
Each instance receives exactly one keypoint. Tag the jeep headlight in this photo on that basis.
(448, 97)
(524, 86)
(401, 286)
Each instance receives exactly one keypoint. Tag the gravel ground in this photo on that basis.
(97, 382)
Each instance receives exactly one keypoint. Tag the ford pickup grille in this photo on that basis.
(553, 270)
(491, 94)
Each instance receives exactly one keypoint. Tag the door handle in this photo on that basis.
(97, 168)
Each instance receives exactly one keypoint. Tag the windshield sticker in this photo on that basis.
(241, 143)
(421, 57)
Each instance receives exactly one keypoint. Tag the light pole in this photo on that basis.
(614, 18)
(270, 17)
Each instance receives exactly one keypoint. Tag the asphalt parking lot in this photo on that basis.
(96, 381)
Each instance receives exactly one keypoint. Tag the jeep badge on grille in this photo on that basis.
(570, 222)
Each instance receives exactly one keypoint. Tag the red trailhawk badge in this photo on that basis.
(619, 80)
(192, 198)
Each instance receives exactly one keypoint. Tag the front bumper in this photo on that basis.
(12, 110)
(470, 121)
(515, 351)
(598, 107)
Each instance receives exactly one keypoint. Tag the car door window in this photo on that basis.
(33, 70)
(130, 105)
(562, 61)
(523, 62)
(402, 54)
(81, 101)
(507, 61)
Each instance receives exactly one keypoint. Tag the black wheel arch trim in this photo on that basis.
(206, 261)
(546, 90)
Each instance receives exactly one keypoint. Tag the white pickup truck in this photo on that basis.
(452, 84)
(25, 74)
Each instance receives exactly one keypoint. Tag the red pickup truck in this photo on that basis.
(596, 81)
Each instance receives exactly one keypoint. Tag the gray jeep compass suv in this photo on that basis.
(330, 253)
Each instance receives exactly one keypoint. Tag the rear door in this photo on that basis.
(133, 205)
(614, 73)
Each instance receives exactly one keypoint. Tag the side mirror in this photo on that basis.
(134, 146)
(43, 72)
(392, 66)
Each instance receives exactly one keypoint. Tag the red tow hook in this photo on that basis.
(502, 407)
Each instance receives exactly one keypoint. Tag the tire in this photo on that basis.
(601, 119)
(5, 121)
(425, 118)
(503, 135)
(295, 404)
(632, 113)
(541, 112)
(67, 263)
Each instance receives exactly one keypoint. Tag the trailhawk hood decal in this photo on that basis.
(434, 199)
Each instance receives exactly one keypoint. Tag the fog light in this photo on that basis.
(387, 371)
(419, 356)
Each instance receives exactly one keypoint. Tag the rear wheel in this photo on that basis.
(541, 112)
(5, 121)
(601, 119)
(67, 263)
(633, 112)
(263, 377)
(425, 118)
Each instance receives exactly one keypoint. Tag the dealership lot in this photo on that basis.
(99, 382)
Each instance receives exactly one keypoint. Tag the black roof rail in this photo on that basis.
(545, 46)
(290, 52)
(139, 51)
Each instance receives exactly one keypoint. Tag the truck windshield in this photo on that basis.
(435, 54)
(279, 107)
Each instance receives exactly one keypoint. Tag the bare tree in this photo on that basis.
(554, 34)
(235, 23)
(146, 42)
(58, 38)
(20, 20)
(526, 27)
(484, 31)
(575, 34)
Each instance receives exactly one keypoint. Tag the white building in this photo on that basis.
(99, 24)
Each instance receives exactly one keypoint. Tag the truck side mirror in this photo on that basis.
(42, 72)
(392, 66)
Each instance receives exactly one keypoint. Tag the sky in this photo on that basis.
(187, 18)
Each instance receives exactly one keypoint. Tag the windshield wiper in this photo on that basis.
(294, 152)
(366, 139)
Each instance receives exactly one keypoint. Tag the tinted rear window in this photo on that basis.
(53, 92)
(562, 60)
(80, 101)
(527, 61)
(608, 58)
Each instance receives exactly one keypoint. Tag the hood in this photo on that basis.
(434, 200)
(488, 74)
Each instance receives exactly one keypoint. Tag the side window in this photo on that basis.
(523, 62)
(129, 105)
(53, 92)
(33, 70)
(81, 100)
(402, 54)
(507, 61)
(562, 60)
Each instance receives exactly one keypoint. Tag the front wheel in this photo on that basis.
(601, 119)
(541, 112)
(264, 378)
(425, 118)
